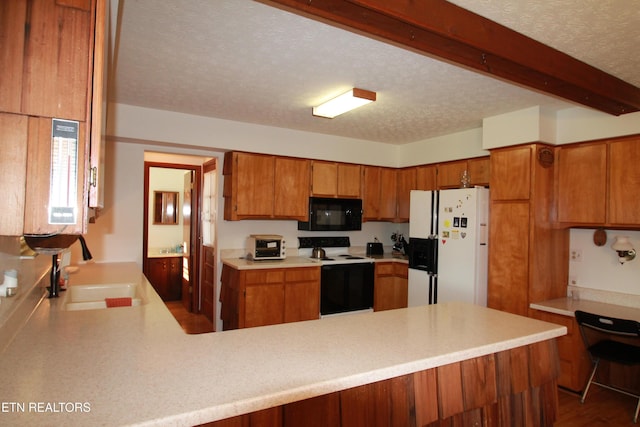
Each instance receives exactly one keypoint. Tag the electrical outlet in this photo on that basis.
(576, 255)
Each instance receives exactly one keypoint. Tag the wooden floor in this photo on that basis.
(191, 323)
(602, 408)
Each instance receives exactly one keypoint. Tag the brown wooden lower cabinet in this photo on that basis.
(575, 364)
(259, 297)
(515, 387)
(391, 289)
(165, 275)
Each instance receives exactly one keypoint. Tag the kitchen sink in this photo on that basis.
(92, 297)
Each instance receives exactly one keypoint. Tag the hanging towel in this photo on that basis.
(118, 302)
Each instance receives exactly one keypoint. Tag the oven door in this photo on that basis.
(346, 287)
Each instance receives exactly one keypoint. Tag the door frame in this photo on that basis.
(196, 232)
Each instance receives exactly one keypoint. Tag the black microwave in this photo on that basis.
(328, 214)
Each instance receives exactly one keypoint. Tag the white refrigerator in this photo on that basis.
(448, 246)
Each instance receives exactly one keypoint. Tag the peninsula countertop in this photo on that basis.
(241, 263)
(135, 366)
(568, 307)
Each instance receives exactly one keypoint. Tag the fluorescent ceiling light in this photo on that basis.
(346, 102)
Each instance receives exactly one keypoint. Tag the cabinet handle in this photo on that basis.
(93, 176)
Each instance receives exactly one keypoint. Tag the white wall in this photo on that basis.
(538, 124)
(598, 267)
(580, 124)
(117, 234)
(165, 235)
(456, 146)
(128, 123)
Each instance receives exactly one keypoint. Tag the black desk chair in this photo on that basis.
(598, 333)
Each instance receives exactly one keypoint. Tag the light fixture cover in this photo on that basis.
(346, 102)
(622, 244)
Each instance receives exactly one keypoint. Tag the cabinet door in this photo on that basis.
(388, 196)
(582, 177)
(56, 60)
(175, 278)
(379, 194)
(371, 193)
(255, 185)
(301, 301)
(159, 276)
(406, 183)
(391, 286)
(264, 304)
(13, 168)
(264, 297)
(624, 182)
(291, 189)
(450, 174)
(478, 170)
(332, 179)
(349, 180)
(324, 179)
(38, 182)
(511, 168)
(508, 281)
(426, 177)
(302, 294)
(13, 16)
(575, 364)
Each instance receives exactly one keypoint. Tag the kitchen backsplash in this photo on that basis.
(597, 267)
(232, 235)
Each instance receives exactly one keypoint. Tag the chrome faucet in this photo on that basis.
(54, 288)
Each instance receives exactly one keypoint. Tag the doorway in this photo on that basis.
(171, 249)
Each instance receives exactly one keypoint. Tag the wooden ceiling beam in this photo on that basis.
(441, 29)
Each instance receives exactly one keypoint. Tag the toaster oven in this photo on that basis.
(265, 247)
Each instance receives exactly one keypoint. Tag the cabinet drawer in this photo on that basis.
(385, 268)
(264, 276)
(302, 274)
(401, 269)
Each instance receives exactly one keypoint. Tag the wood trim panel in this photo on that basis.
(13, 172)
(440, 28)
(490, 391)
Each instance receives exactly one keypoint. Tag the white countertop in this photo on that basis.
(240, 263)
(568, 306)
(134, 365)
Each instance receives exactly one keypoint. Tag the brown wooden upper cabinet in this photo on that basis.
(510, 168)
(479, 171)
(260, 186)
(582, 183)
(334, 179)
(379, 193)
(624, 182)
(426, 177)
(449, 174)
(407, 181)
(599, 183)
(49, 71)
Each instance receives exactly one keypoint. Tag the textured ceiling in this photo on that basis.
(250, 62)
